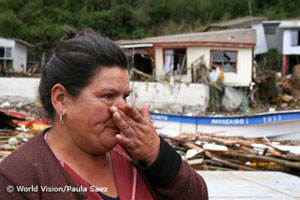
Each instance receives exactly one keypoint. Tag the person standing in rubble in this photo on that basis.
(99, 146)
(216, 78)
(215, 74)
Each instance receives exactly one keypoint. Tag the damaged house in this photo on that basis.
(185, 57)
(281, 35)
(277, 59)
(189, 58)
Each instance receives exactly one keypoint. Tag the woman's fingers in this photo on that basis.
(125, 142)
(145, 112)
(133, 113)
(119, 118)
(138, 136)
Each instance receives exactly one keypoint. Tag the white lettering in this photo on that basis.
(98, 189)
(52, 189)
(28, 189)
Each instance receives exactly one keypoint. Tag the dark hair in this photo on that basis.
(74, 61)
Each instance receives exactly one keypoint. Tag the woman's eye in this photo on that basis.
(108, 96)
(125, 97)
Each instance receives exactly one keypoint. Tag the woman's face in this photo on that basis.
(88, 119)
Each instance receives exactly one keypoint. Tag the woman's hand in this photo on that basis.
(138, 135)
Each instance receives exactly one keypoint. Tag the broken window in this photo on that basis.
(175, 61)
(140, 60)
(225, 60)
(5, 52)
(295, 39)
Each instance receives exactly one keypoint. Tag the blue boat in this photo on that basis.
(279, 125)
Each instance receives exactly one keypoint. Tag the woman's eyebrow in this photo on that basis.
(114, 90)
(109, 90)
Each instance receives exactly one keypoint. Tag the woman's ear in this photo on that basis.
(58, 98)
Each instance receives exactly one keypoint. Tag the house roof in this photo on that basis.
(215, 38)
(24, 42)
(20, 41)
(272, 22)
(290, 24)
(238, 22)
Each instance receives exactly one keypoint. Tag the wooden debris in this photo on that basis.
(225, 142)
(284, 163)
(4, 153)
(204, 151)
(231, 164)
(193, 146)
(238, 153)
(196, 161)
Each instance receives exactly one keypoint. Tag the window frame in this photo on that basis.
(298, 37)
(223, 50)
(184, 72)
(270, 29)
(5, 53)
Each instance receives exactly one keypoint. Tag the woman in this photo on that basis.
(99, 146)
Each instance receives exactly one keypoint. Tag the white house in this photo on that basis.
(290, 44)
(273, 35)
(245, 22)
(177, 55)
(13, 55)
(282, 35)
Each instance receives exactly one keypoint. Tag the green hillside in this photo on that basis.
(42, 22)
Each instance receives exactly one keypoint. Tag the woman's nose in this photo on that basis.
(120, 103)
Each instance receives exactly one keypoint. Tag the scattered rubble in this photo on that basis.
(290, 87)
(209, 152)
(203, 152)
(22, 105)
(274, 91)
(20, 119)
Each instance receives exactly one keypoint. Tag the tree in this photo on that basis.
(42, 22)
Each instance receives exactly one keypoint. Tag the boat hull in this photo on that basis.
(281, 125)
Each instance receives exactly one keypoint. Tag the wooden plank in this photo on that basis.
(264, 158)
(198, 161)
(5, 153)
(191, 145)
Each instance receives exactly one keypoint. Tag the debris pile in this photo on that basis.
(19, 121)
(272, 90)
(11, 141)
(202, 151)
(209, 152)
(14, 131)
(290, 87)
(21, 105)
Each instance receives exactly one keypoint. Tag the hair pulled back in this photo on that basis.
(74, 61)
